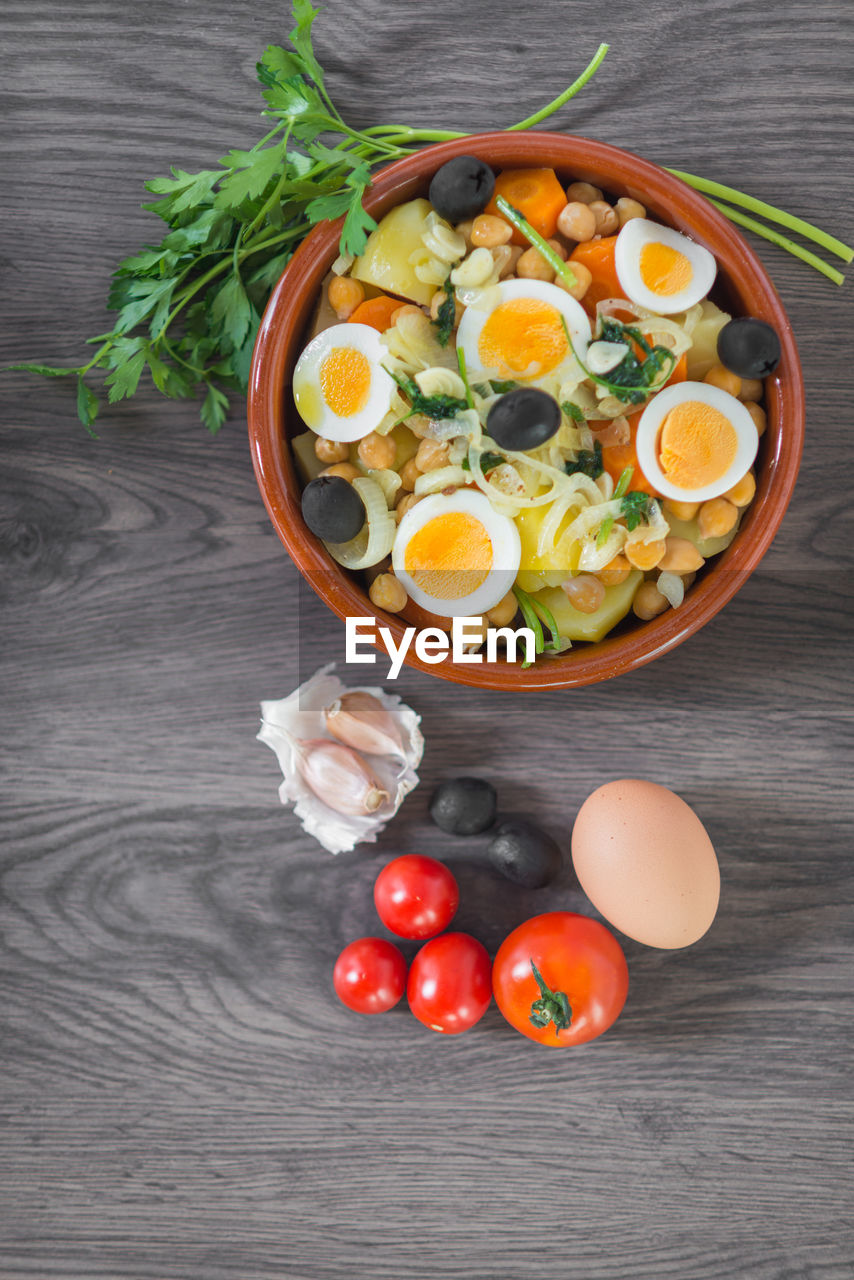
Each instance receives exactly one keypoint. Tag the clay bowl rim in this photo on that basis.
(745, 282)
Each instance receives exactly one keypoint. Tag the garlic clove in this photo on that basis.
(360, 721)
(339, 777)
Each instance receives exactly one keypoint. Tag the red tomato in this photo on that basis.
(449, 987)
(583, 978)
(370, 975)
(416, 897)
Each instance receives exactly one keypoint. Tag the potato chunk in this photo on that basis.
(385, 262)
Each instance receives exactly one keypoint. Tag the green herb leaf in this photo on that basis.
(638, 508)
(488, 461)
(572, 411)
(87, 404)
(501, 388)
(251, 172)
(587, 463)
(435, 407)
(447, 314)
(214, 409)
(231, 312)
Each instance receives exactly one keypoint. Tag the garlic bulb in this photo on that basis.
(339, 777)
(360, 720)
(291, 725)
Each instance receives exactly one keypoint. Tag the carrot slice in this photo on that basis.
(376, 312)
(536, 193)
(616, 457)
(598, 257)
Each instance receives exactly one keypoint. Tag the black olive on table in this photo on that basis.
(523, 419)
(462, 188)
(332, 509)
(749, 347)
(464, 806)
(524, 853)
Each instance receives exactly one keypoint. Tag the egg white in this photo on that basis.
(649, 427)
(639, 232)
(311, 405)
(473, 320)
(506, 552)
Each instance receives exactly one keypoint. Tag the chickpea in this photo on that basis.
(742, 492)
(649, 602)
(583, 281)
(504, 612)
(718, 376)
(751, 389)
(644, 555)
(405, 309)
(377, 452)
(717, 517)
(615, 571)
(436, 302)
(577, 221)
(680, 510)
(584, 592)
(533, 266)
(345, 470)
(758, 415)
(583, 192)
(331, 450)
(512, 254)
(409, 473)
(680, 556)
(626, 209)
(344, 295)
(406, 503)
(431, 455)
(490, 231)
(387, 593)
(607, 221)
(560, 249)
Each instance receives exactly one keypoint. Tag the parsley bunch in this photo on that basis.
(188, 308)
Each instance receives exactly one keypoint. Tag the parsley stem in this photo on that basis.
(784, 242)
(403, 133)
(560, 268)
(276, 193)
(461, 364)
(806, 229)
(555, 105)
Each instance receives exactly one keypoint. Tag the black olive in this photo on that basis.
(524, 853)
(332, 509)
(523, 419)
(464, 806)
(749, 348)
(462, 188)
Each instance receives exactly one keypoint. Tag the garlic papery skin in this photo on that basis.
(339, 777)
(360, 721)
(289, 722)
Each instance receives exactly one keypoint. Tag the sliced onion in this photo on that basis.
(374, 540)
(672, 588)
(616, 432)
(441, 478)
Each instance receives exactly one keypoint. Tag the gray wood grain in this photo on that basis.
(183, 1098)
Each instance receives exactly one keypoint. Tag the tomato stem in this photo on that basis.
(553, 1006)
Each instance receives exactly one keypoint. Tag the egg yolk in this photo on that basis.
(450, 556)
(523, 338)
(697, 445)
(664, 270)
(345, 380)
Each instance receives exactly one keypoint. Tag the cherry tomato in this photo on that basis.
(449, 986)
(416, 897)
(370, 975)
(560, 978)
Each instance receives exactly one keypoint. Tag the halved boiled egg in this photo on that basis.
(522, 338)
(695, 441)
(455, 554)
(340, 389)
(661, 269)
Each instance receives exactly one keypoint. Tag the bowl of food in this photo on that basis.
(557, 393)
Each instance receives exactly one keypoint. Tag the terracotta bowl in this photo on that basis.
(743, 288)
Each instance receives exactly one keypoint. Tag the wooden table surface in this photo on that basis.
(182, 1096)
